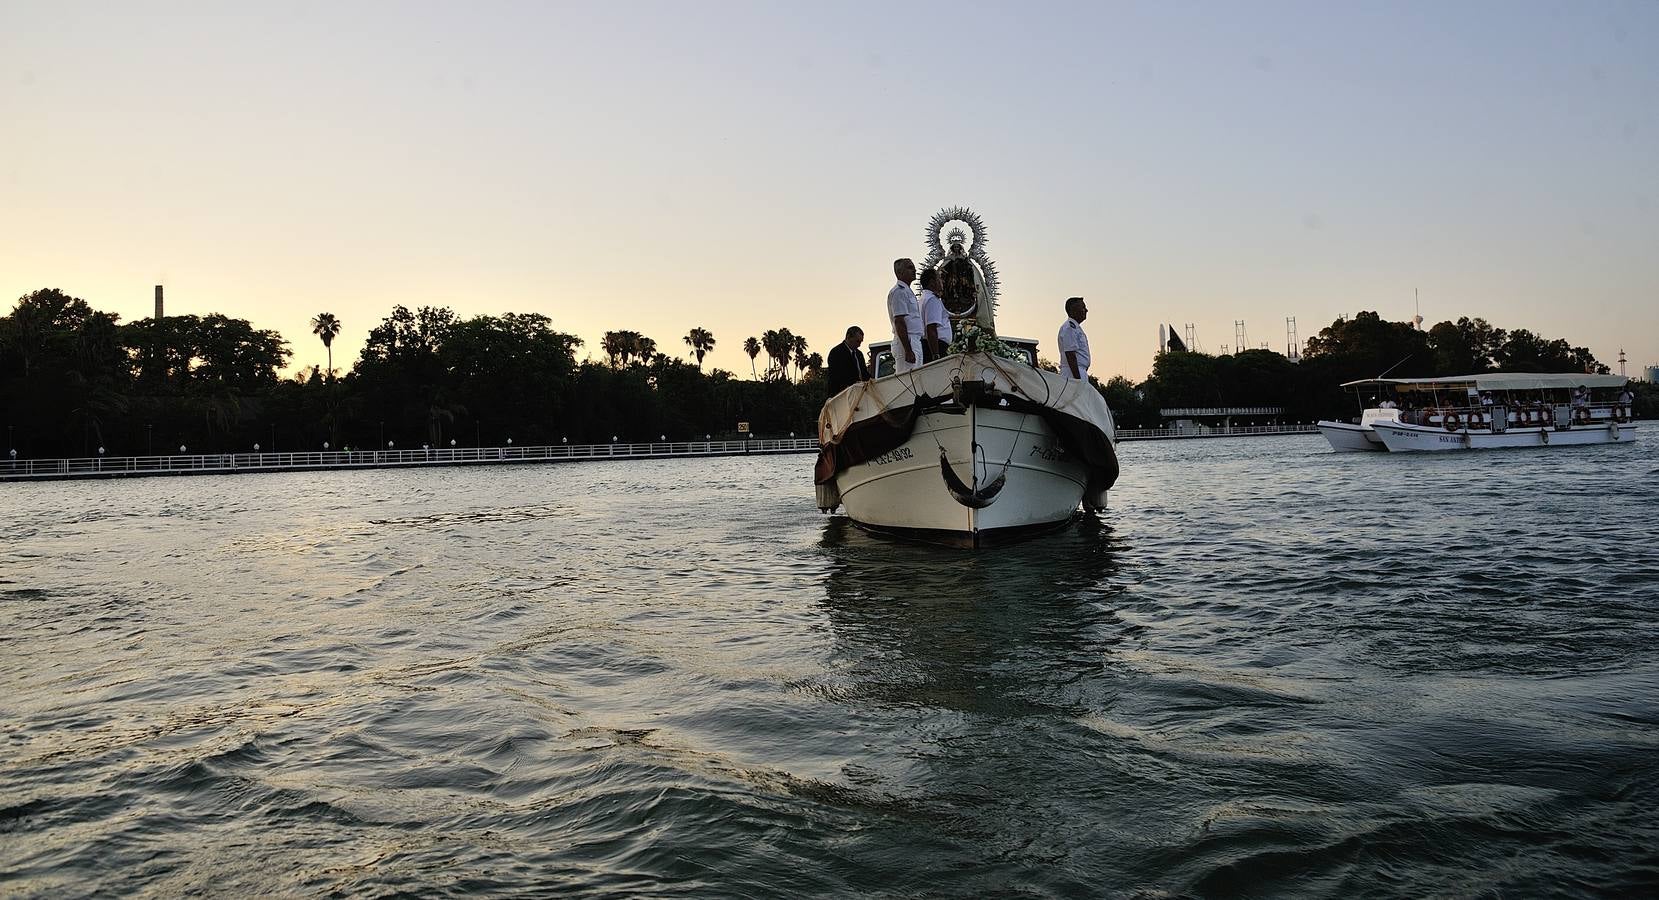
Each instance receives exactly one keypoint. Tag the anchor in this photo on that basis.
(974, 497)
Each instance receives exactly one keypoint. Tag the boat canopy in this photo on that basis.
(1498, 381)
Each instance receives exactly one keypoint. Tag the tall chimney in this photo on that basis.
(158, 301)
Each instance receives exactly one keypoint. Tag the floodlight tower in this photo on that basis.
(1293, 346)
(1238, 335)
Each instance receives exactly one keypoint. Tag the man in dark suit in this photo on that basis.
(846, 364)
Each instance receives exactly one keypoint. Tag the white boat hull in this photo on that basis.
(1346, 437)
(1406, 438)
(905, 489)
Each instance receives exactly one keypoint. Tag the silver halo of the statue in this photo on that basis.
(938, 239)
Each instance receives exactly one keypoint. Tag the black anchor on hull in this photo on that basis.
(972, 497)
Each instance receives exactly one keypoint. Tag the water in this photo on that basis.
(1269, 670)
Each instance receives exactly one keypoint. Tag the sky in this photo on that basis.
(745, 166)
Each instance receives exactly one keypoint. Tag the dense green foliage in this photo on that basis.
(73, 379)
(1365, 346)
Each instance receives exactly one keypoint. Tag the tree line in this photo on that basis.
(73, 379)
(1365, 346)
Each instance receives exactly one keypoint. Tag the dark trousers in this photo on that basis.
(927, 350)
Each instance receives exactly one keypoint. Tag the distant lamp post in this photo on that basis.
(613, 438)
(391, 444)
(100, 451)
(509, 442)
(452, 443)
(564, 440)
(325, 445)
(183, 448)
(707, 436)
(100, 458)
(255, 449)
(662, 437)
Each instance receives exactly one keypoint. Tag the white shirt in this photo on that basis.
(1073, 339)
(901, 301)
(933, 313)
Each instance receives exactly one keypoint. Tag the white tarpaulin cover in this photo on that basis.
(1500, 381)
(864, 400)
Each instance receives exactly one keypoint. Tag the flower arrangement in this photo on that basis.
(982, 340)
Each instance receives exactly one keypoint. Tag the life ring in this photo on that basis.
(1618, 413)
(1452, 421)
(1581, 416)
(1475, 419)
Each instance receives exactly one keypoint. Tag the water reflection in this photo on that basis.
(1003, 631)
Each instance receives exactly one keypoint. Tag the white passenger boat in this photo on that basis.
(975, 447)
(1347, 436)
(1499, 409)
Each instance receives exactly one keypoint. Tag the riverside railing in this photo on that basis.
(225, 463)
(1201, 431)
(204, 463)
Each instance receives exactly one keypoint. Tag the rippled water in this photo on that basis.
(1267, 670)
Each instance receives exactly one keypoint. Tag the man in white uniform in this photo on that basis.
(936, 334)
(906, 316)
(1074, 344)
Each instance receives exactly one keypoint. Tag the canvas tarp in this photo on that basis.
(872, 417)
(1499, 381)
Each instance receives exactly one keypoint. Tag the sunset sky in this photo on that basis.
(744, 166)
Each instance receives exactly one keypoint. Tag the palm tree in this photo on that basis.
(786, 346)
(615, 345)
(752, 347)
(777, 350)
(798, 345)
(644, 347)
(701, 341)
(326, 326)
(814, 364)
